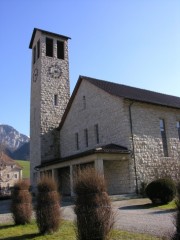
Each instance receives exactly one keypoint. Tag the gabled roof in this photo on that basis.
(46, 32)
(126, 92)
(136, 94)
(4, 159)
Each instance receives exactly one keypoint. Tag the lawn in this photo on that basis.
(66, 232)
(26, 168)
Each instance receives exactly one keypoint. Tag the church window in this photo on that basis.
(178, 128)
(8, 176)
(34, 54)
(163, 135)
(60, 49)
(55, 100)
(96, 129)
(49, 47)
(86, 137)
(15, 175)
(84, 102)
(38, 49)
(77, 140)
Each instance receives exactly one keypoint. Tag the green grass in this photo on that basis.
(168, 206)
(26, 168)
(66, 232)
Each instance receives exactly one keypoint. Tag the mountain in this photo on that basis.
(22, 153)
(15, 144)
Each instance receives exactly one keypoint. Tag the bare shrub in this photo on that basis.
(177, 234)
(92, 206)
(48, 206)
(21, 206)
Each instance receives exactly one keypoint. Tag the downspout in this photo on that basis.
(132, 137)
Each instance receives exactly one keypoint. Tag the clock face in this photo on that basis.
(35, 75)
(54, 71)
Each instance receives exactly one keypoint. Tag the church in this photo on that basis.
(130, 135)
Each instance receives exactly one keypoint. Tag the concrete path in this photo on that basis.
(133, 215)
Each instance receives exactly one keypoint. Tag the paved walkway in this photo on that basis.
(133, 215)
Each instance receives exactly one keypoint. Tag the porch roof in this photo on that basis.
(109, 148)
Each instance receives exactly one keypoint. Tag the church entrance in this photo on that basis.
(63, 177)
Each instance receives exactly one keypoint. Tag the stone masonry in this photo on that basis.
(45, 115)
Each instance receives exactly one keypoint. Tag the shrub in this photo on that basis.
(142, 190)
(48, 206)
(21, 206)
(177, 221)
(92, 206)
(161, 191)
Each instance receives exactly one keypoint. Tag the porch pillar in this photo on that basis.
(71, 180)
(99, 166)
(54, 174)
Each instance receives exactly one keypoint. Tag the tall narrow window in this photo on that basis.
(86, 137)
(60, 49)
(96, 129)
(163, 135)
(49, 47)
(77, 140)
(34, 54)
(55, 100)
(178, 128)
(38, 49)
(84, 102)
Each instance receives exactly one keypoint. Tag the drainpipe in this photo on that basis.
(132, 137)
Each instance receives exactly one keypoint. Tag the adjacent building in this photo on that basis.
(10, 173)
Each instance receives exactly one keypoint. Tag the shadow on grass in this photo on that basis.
(26, 236)
(148, 206)
(163, 211)
(7, 226)
(135, 207)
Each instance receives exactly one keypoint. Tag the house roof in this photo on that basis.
(46, 32)
(110, 148)
(126, 92)
(4, 159)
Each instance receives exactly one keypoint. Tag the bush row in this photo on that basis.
(92, 206)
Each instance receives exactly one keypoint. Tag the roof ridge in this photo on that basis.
(136, 94)
(124, 85)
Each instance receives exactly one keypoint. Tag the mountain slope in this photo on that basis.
(15, 144)
(22, 153)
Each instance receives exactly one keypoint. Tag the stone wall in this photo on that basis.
(117, 176)
(101, 108)
(148, 148)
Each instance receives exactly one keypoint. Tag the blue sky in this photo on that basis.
(136, 43)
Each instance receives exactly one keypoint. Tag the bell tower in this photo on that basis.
(50, 92)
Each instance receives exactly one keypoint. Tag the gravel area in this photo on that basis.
(133, 215)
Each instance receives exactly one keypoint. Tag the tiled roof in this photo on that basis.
(4, 159)
(136, 94)
(110, 148)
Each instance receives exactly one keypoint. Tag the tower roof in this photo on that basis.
(46, 32)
